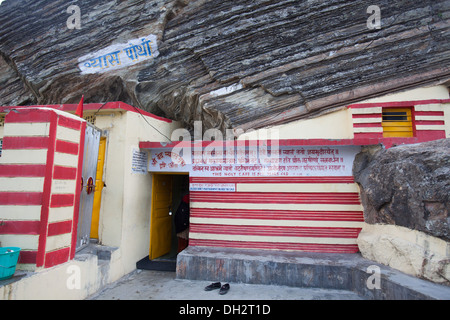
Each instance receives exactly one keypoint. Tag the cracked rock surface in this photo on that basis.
(407, 186)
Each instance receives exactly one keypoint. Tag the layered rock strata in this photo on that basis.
(246, 64)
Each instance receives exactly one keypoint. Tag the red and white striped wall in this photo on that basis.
(314, 214)
(39, 192)
(428, 121)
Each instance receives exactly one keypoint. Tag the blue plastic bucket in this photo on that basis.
(8, 261)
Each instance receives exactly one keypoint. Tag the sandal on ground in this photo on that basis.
(213, 286)
(224, 289)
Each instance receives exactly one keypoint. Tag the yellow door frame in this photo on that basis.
(98, 188)
(160, 244)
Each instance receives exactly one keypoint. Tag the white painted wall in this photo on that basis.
(74, 280)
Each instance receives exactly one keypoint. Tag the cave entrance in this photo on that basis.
(168, 190)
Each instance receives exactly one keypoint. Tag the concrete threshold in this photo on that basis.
(370, 280)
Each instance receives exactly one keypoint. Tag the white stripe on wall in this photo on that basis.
(24, 157)
(429, 107)
(367, 120)
(23, 241)
(63, 186)
(19, 184)
(277, 239)
(67, 134)
(430, 127)
(430, 118)
(298, 187)
(279, 223)
(20, 213)
(58, 242)
(368, 130)
(60, 214)
(36, 129)
(65, 159)
(366, 110)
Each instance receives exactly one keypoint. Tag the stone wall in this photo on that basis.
(405, 192)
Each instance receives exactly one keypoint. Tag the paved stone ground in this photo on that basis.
(159, 285)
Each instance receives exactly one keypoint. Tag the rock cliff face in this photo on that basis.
(408, 186)
(405, 191)
(232, 64)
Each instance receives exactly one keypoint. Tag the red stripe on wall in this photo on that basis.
(20, 227)
(17, 143)
(271, 180)
(27, 170)
(27, 116)
(277, 214)
(64, 173)
(368, 135)
(56, 257)
(66, 147)
(363, 116)
(367, 125)
(28, 257)
(21, 198)
(47, 187)
(429, 113)
(61, 200)
(429, 122)
(429, 135)
(307, 247)
(276, 231)
(61, 227)
(69, 123)
(269, 197)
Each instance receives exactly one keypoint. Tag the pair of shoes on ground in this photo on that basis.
(217, 285)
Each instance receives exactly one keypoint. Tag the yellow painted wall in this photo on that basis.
(333, 125)
(339, 125)
(426, 93)
(125, 211)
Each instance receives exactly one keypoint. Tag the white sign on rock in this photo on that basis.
(120, 55)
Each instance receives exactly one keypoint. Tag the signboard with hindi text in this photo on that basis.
(247, 162)
(120, 55)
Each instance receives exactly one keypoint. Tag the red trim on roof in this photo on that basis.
(394, 104)
(237, 143)
(71, 108)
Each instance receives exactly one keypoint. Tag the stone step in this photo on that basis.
(350, 272)
(158, 264)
